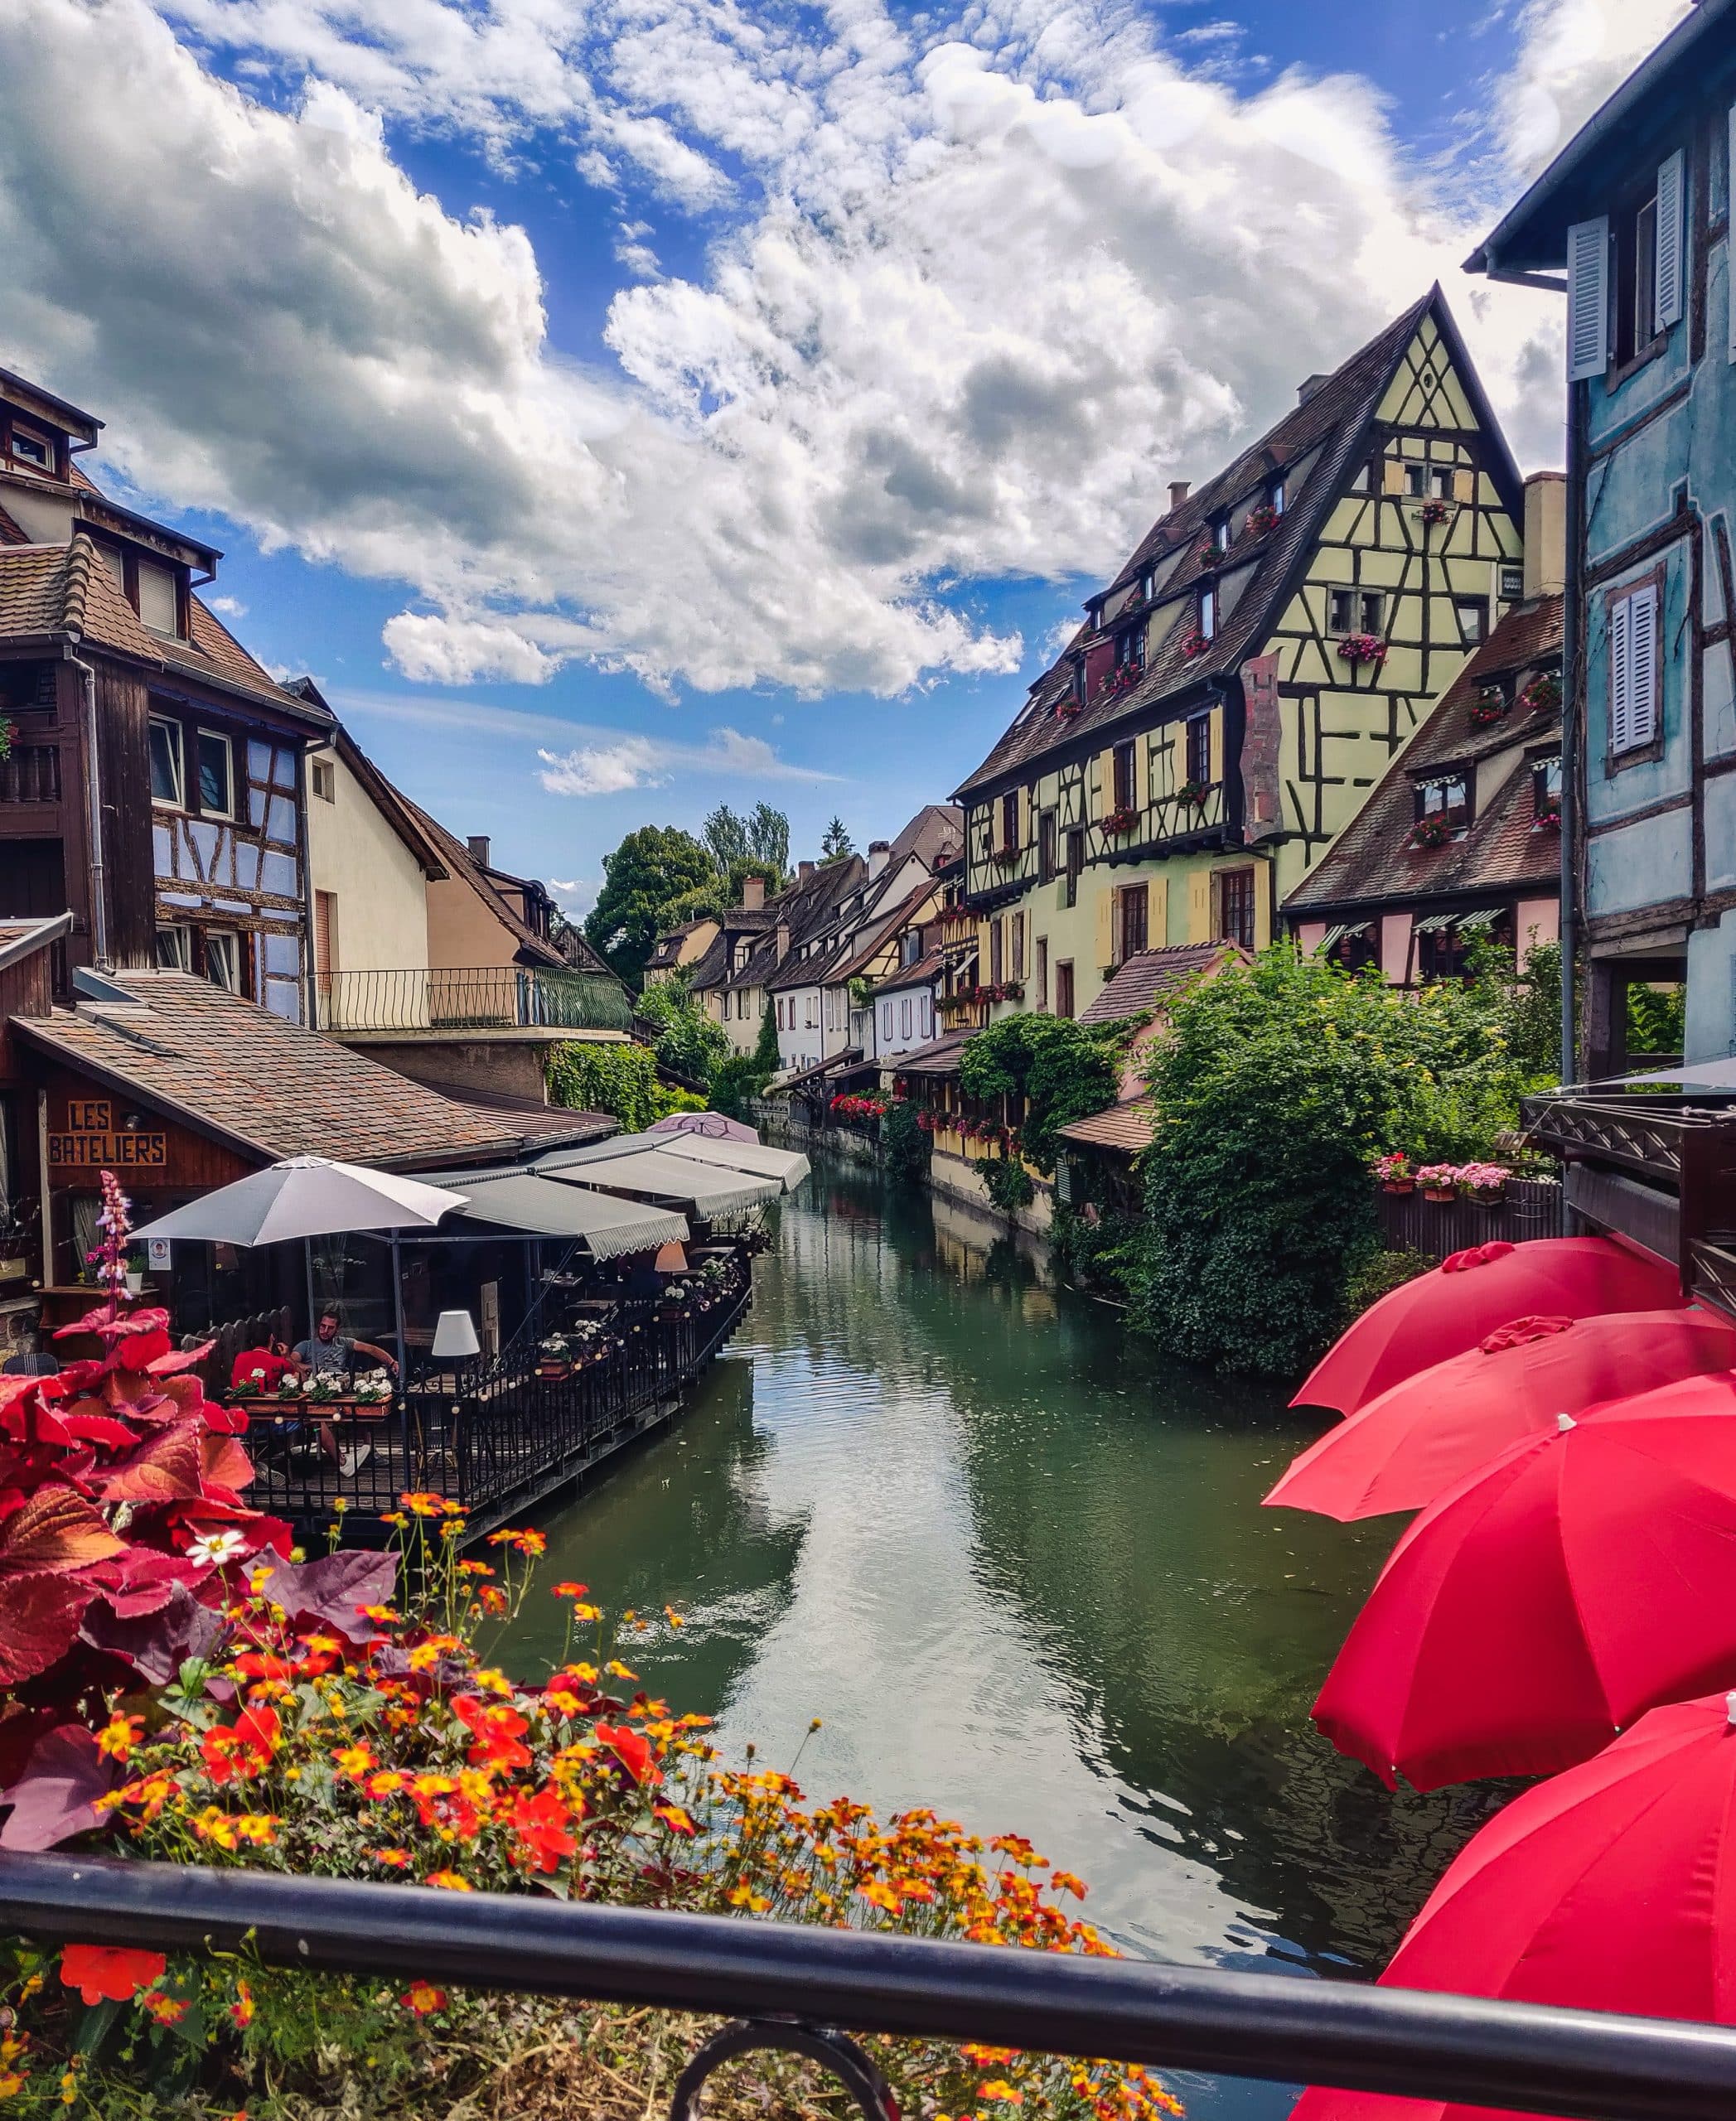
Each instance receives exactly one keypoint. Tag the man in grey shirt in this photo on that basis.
(330, 1354)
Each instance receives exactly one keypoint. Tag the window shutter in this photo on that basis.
(1215, 739)
(1159, 921)
(1392, 475)
(1642, 664)
(1588, 299)
(1670, 247)
(1621, 674)
(1106, 927)
(1464, 488)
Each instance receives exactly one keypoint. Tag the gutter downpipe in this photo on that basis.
(1572, 659)
(94, 803)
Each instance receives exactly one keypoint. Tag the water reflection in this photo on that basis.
(1019, 1568)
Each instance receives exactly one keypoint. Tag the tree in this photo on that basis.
(1062, 1071)
(757, 844)
(689, 1044)
(716, 896)
(745, 1076)
(837, 844)
(768, 840)
(645, 876)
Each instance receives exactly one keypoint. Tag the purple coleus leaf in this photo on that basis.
(56, 1797)
(329, 1591)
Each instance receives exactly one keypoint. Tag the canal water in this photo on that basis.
(1017, 1564)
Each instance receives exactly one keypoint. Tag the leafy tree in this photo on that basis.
(1278, 1084)
(645, 876)
(687, 1043)
(745, 1076)
(837, 844)
(758, 843)
(718, 894)
(768, 840)
(1063, 1070)
(903, 1146)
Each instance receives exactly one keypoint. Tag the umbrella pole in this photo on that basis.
(398, 1308)
(307, 1261)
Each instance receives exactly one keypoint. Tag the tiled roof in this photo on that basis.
(940, 1058)
(1150, 977)
(64, 591)
(229, 1069)
(1126, 1127)
(927, 970)
(1330, 421)
(458, 862)
(937, 829)
(1371, 862)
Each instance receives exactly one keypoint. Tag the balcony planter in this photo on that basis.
(1484, 1184)
(1542, 696)
(1120, 821)
(1430, 832)
(1069, 710)
(1260, 519)
(1004, 857)
(1193, 793)
(1440, 1182)
(1362, 650)
(1394, 1172)
(1193, 646)
(1489, 707)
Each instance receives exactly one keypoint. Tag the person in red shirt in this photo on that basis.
(261, 1369)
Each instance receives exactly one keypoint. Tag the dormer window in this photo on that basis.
(1220, 534)
(1148, 585)
(1130, 649)
(1443, 811)
(1208, 615)
(34, 450)
(1546, 791)
(1275, 496)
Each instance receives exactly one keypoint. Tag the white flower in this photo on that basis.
(216, 1549)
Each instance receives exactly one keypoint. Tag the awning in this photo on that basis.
(1338, 934)
(659, 1175)
(515, 1199)
(788, 1167)
(1432, 923)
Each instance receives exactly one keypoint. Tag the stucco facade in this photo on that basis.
(377, 887)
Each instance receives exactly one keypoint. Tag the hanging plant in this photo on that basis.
(1359, 648)
(1490, 706)
(1434, 511)
(1120, 821)
(1542, 695)
(1193, 793)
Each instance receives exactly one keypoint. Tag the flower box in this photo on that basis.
(1434, 511)
(553, 1368)
(1490, 706)
(1400, 1185)
(1004, 857)
(1394, 1171)
(1542, 696)
(1549, 820)
(1432, 831)
(1443, 1195)
(1193, 646)
(1069, 710)
(1485, 1184)
(1120, 821)
(1260, 519)
(1440, 1181)
(1193, 793)
(1359, 649)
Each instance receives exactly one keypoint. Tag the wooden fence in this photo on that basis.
(1531, 1207)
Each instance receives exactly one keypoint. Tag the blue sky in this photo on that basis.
(768, 382)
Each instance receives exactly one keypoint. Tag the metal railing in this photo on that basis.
(483, 998)
(791, 1986)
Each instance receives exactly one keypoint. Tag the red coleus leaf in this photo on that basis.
(56, 1531)
(179, 1358)
(39, 1621)
(142, 1580)
(98, 1971)
(223, 1465)
(164, 1469)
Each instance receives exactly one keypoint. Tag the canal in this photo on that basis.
(1019, 1568)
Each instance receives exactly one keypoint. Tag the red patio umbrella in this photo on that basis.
(1612, 1887)
(1402, 1450)
(1545, 1602)
(1447, 1311)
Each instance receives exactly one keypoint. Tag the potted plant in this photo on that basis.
(1120, 821)
(1440, 1181)
(1484, 1183)
(1542, 695)
(1434, 511)
(1193, 793)
(1260, 519)
(1194, 645)
(1069, 709)
(1489, 705)
(1394, 1173)
(1548, 815)
(1361, 649)
(554, 1358)
(1435, 830)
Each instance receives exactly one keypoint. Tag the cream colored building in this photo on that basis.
(372, 872)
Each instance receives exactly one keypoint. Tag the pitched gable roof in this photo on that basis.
(1147, 980)
(1370, 860)
(1330, 427)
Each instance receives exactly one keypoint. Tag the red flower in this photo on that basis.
(542, 1825)
(232, 1756)
(497, 1730)
(632, 1749)
(99, 1971)
(422, 1997)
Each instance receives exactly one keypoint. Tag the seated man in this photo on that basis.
(330, 1354)
(261, 1369)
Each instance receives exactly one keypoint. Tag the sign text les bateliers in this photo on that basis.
(92, 1142)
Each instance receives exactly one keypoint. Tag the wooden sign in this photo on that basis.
(91, 1142)
(1262, 742)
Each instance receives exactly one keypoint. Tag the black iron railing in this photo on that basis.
(791, 1987)
(490, 998)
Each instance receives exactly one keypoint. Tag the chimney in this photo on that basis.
(879, 854)
(1179, 490)
(1306, 390)
(1545, 535)
(479, 849)
(805, 872)
(753, 894)
(782, 940)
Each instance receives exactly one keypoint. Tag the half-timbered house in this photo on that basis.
(1247, 678)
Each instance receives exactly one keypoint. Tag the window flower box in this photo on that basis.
(1359, 649)
(1434, 511)
(1069, 710)
(1394, 1172)
(1004, 857)
(1194, 645)
(1119, 822)
(1440, 1181)
(1435, 830)
(1542, 696)
(1490, 706)
(1549, 817)
(1121, 679)
(1261, 519)
(1193, 793)
(1484, 1183)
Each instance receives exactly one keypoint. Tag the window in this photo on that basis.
(995, 967)
(324, 780)
(1130, 649)
(1009, 822)
(1416, 481)
(1220, 534)
(1041, 997)
(904, 1015)
(1064, 987)
(1198, 749)
(1355, 611)
(157, 597)
(1075, 867)
(33, 449)
(1440, 482)
(1275, 496)
(1635, 673)
(928, 1016)
(217, 787)
(1134, 907)
(167, 780)
(1513, 584)
(1449, 798)
(811, 1018)
(1235, 906)
(1079, 684)
(1473, 618)
(1546, 790)
(1121, 761)
(1636, 279)
(1016, 948)
(1208, 615)
(909, 946)
(175, 950)
(886, 1019)
(1045, 836)
(223, 959)
(325, 933)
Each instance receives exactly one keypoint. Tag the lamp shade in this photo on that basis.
(455, 1335)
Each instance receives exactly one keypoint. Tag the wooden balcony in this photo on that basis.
(30, 773)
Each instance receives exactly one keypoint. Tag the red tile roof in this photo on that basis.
(1125, 1126)
(1151, 977)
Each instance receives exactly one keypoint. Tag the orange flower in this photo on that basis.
(1066, 1881)
(119, 1735)
(354, 1762)
(675, 1818)
(425, 1504)
(97, 1971)
(570, 1590)
(231, 1756)
(167, 2010)
(381, 1616)
(395, 1859)
(263, 1664)
(452, 1880)
(496, 1731)
(543, 1829)
(242, 2009)
(998, 2088)
(422, 1997)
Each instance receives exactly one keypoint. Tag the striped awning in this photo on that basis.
(511, 1198)
(1338, 934)
(661, 1175)
(1431, 924)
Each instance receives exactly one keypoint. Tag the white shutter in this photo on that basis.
(1588, 299)
(1642, 664)
(1670, 247)
(1621, 674)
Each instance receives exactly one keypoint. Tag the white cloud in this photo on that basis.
(610, 765)
(230, 607)
(973, 297)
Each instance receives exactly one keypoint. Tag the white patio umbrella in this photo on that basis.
(305, 1196)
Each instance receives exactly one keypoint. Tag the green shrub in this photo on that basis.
(687, 1043)
(1378, 1274)
(614, 1078)
(1096, 1255)
(1007, 1183)
(903, 1145)
(1063, 1071)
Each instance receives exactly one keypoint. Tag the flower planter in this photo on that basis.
(553, 1370)
(1445, 1195)
(1486, 1197)
(1400, 1185)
